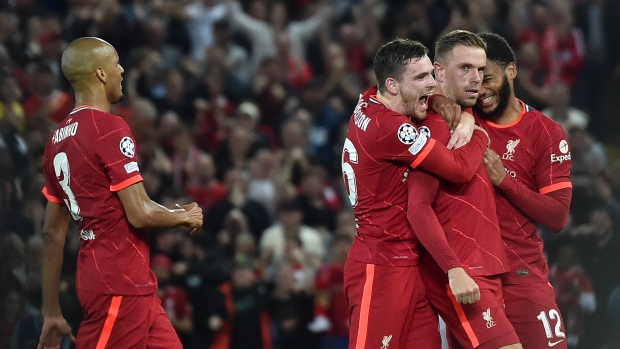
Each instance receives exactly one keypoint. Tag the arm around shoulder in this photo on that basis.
(457, 166)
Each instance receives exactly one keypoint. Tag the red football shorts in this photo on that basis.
(533, 312)
(480, 325)
(124, 322)
(388, 308)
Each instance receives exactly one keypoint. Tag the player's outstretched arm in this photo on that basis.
(549, 209)
(54, 233)
(422, 189)
(143, 213)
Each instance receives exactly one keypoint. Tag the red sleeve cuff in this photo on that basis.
(124, 184)
(50, 197)
(554, 187)
(507, 183)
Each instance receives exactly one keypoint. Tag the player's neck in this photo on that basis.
(95, 99)
(442, 90)
(511, 114)
(390, 103)
(439, 89)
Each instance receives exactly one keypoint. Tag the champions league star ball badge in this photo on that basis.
(127, 147)
(407, 133)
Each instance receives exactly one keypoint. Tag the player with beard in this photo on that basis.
(529, 163)
(465, 213)
(382, 283)
(92, 176)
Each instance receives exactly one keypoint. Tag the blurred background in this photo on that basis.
(242, 106)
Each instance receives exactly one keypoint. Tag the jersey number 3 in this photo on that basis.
(61, 168)
(347, 170)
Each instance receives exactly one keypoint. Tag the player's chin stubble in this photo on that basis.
(504, 98)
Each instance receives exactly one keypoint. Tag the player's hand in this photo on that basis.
(493, 163)
(54, 328)
(448, 109)
(195, 216)
(463, 131)
(463, 287)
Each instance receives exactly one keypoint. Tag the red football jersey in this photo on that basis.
(535, 152)
(89, 157)
(467, 213)
(380, 146)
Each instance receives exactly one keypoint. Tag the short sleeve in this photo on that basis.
(116, 149)
(552, 171)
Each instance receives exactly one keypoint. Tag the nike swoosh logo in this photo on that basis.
(553, 344)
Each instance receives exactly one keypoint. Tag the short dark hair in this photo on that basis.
(448, 42)
(391, 59)
(498, 50)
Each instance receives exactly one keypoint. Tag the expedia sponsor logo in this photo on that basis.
(563, 146)
(560, 158)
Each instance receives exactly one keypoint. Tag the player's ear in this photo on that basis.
(511, 71)
(100, 74)
(392, 85)
(439, 71)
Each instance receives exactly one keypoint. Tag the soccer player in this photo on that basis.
(466, 212)
(92, 176)
(529, 163)
(383, 288)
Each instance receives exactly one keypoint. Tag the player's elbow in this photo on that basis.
(460, 177)
(138, 219)
(556, 223)
(52, 236)
(559, 224)
(136, 222)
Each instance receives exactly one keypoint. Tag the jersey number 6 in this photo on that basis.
(347, 170)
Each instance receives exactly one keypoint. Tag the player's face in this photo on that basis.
(495, 92)
(416, 85)
(463, 74)
(114, 89)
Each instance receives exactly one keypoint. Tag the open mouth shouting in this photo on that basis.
(423, 101)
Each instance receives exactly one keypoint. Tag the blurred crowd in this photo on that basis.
(242, 106)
